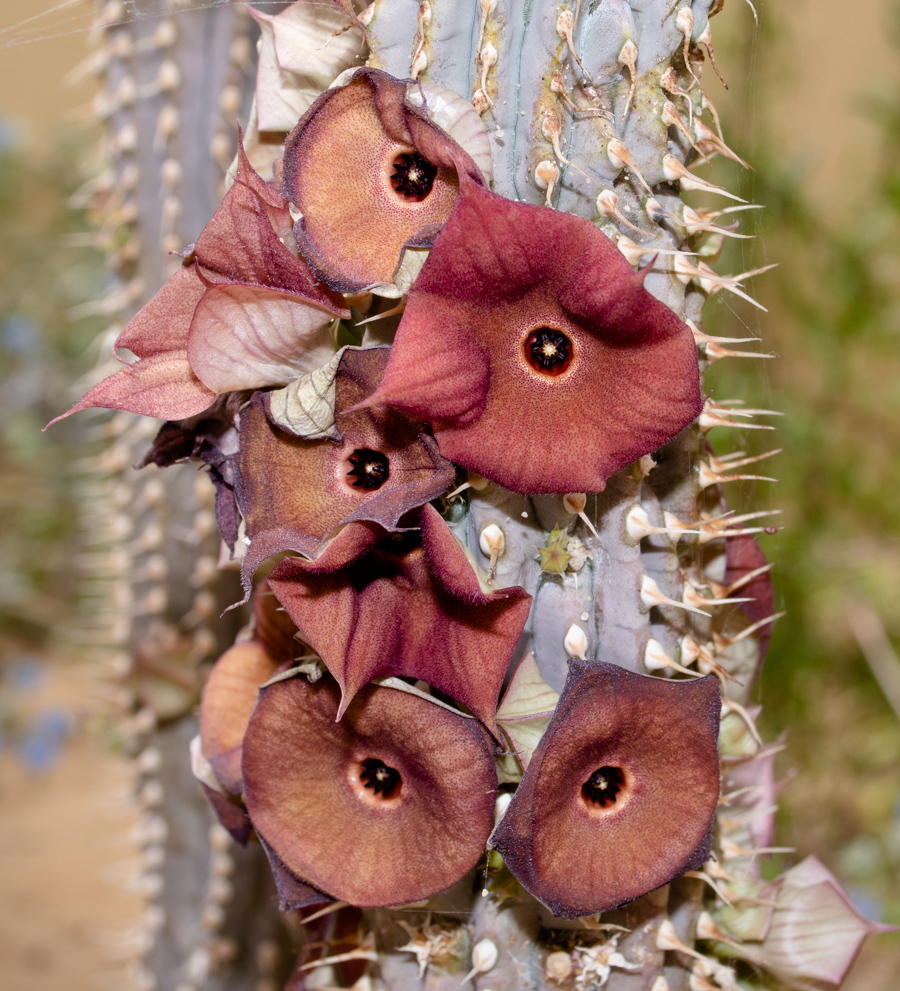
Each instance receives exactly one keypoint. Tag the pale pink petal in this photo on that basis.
(162, 386)
(302, 50)
(815, 933)
(243, 337)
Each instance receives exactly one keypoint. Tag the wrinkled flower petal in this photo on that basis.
(339, 164)
(402, 837)
(614, 376)
(389, 614)
(232, 344)
(620, 796)
(309, 488)
(210, 437)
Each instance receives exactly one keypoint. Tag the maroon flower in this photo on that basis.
(412, 610)
(371, 175)
(392, 804)
(293, 493)
(242, 313)
(535, 352)
(620, 794)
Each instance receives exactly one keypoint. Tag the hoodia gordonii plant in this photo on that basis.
(439, 347)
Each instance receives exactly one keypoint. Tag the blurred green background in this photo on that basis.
(814, 104)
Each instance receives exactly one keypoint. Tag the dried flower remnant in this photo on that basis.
(411, 609)
(815, 931)
(411, 786)
(242, 313)
(302, 49)
(620, 794)
(535, 352)
(293, 492)
(371, 175)
(212, 438)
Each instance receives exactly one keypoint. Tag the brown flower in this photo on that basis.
(293, 493)
(534, 351)
(620, 794)
(410, 609)
(371, 175)
(392, 804)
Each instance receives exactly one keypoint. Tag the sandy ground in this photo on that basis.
(65, 856)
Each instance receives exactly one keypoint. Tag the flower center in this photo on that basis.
(548, 351)
(603, 785)
(370, 469)
(384, 781)
(413, 176)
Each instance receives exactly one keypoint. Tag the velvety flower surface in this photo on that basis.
(533, 349)
(242, 313)
(412, 609)
(370, 174)
(390, 805)
(620, 794)
(294, 492)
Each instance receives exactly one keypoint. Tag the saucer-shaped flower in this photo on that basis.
(534, 351)
(294, 492)
(410, 609)
(243, 312)
(620, 794)
(392, 804)
(371, 175)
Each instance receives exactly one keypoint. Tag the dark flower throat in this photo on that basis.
(548, 350)
(603, 785)
(370, 469)
(383, 780)
(413, 176)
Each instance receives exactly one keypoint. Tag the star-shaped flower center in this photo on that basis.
(370, 469)
(413, 175)
(548, 351)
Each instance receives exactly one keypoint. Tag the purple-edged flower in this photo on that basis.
(295, 493)
(620, 795)
(391, 804)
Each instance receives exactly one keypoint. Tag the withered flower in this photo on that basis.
(210, 437)
(533, 349)
(293, 493)
(371, 175)
(392, 804)
(620, 794)
(243, 312)
(409, 608)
